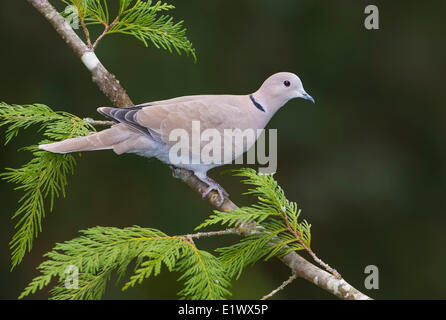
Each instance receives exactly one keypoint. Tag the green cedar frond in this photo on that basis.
(277, 221)
(168, 251)
(248, 251)
(142, 22)
(90, 287)
(238, 216)
(205, 277)
(140, 19)
(45, 175)
(96, 12)
(103, 250)
(266, 188)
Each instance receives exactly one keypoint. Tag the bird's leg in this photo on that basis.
(213, 185)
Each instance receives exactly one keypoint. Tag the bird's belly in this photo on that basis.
(205, 154)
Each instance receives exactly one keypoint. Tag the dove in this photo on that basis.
(146, 129)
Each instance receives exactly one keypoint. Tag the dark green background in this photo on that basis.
(367, 162)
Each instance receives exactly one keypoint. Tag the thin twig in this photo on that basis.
(283, 285)
(86, 32)
(199, 235)
(98, 122)
(107, 28)
(310, 252)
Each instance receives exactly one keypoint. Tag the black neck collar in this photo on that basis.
(256, 104)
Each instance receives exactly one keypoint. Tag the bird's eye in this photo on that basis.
(286, 83)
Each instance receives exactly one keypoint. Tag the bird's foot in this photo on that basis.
(213, 185)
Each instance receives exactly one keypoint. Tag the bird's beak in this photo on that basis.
(306, 96)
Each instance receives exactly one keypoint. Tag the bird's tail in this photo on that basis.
(102, 140)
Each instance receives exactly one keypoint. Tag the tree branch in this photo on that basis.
(106, 81)
(321, 278)
(118, 96)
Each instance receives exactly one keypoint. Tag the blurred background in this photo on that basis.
(366, 163)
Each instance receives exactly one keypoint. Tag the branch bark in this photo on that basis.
(106, 81)
(99, 122)
(111, 87)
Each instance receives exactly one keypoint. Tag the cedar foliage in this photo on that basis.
(144, 20)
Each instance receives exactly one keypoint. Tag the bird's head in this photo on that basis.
(281, 87)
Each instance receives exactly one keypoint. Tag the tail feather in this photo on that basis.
(96, 141)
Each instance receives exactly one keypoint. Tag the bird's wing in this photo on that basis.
(173, 100)
(210, 114)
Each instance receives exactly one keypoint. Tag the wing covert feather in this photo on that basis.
(162, 119)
